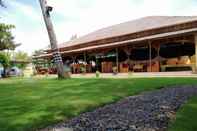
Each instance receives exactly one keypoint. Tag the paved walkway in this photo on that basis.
(138, 75)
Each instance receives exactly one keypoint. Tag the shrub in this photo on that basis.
(97, 74)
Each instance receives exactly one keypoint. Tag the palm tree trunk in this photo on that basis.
(53, 40)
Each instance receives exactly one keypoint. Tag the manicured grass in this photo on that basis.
(186, 117)
(28, 104)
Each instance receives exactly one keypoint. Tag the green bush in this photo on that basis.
(83, 69)
(115, 70)
(97, 74)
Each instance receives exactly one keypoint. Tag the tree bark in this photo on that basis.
(53, 41)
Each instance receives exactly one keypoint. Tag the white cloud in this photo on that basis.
(84, 16)
(31, 40)
(102, 13)
(27, 10)
(30, 29)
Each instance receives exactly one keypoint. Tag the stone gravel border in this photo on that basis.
(150, 111)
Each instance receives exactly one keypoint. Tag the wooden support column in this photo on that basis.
(117, 61)
(73, 59)
(158, 55)
(158, 50)
(128, 53)
(85, 60)
(150, 55)
(195, 42)
(84, 55)
(96, 63)
(73, 67)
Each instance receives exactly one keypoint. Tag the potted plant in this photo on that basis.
(97, 74)
(83, 70)
(115, 70)
(130, 74)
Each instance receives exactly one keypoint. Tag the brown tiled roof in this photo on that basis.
(122, 42)
(142, 24)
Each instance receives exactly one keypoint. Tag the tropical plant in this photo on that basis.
(5, 62)
(21, 58)
(115, 70)
(73, 37)
(6, 38)
(83, 69)
(97, 74)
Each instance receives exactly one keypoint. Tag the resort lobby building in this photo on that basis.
(149, 44)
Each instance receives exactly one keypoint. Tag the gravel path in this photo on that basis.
(149, 111)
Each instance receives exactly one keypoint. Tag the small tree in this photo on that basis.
(22, 58)
(6, 43)
(6, 38)
(73, 37)
(5, 62)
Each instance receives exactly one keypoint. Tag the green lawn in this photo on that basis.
(28, 104)
(186, 117)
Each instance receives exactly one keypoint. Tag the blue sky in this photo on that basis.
(80, 17)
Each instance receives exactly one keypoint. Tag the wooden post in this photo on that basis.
(53, 41)
(84, 55)
(73, 64)
(158, 55)
(158, 50)
(128, 53)
(195, 42)
(96, 63)
(150, 56)
(128, 50)
(117, 61)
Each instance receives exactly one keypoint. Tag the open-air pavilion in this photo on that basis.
(149, 44)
